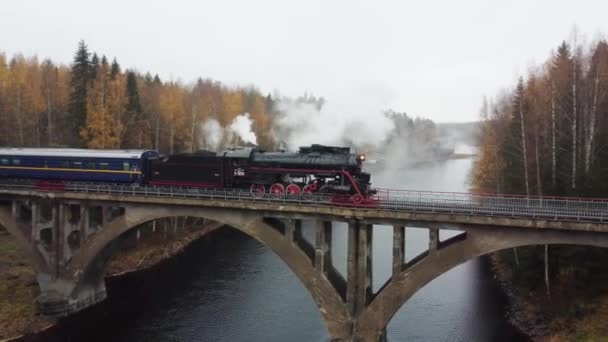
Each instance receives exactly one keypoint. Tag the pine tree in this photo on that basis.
(150, 98)
(137, 133)
(133, 104)
(94, 67)
(81, 73)
(50, 79)
(561, 78)
(514, 149)
(596, 149)
(115, 69)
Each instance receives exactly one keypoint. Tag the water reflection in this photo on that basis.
(232, 288)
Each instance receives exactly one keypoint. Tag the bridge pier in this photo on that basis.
(55, 232)
(63, 296)
(61, 292)
(359, 285)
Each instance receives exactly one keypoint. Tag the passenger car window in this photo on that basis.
(16, 161)
(4, 161)
(103, 166)
(125, 166)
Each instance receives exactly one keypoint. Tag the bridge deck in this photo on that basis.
(386, 206)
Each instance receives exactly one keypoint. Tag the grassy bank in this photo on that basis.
(18, 290)
(576, 306)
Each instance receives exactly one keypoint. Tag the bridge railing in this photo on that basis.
(577, 209)
(571, 209)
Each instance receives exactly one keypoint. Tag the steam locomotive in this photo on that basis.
(312, 169)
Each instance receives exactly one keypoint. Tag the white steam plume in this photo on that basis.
(242, 127)
(215, 137)
(212, 134)
(355, 120)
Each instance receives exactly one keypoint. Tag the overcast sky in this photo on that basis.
(434, 59)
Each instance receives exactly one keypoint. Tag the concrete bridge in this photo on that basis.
(69, 236)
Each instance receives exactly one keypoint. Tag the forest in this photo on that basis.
(548, 136)
(95, 104)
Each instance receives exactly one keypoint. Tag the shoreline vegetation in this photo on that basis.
(140, 250)
(555, 318)
(548, 136)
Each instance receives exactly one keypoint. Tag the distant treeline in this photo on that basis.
(549, 135)
(94, 103)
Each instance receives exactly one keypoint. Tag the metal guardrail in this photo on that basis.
(551, 208)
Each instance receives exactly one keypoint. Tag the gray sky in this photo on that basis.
(429, 58)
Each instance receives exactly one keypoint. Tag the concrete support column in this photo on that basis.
(365, 264)
(323, 246)
(359, 283)
(433, 239)
(54, 247)
(35, 225)
(105, 216)
(300, 241)
(359, 267)
(351, 272)
(297, 231)
(398, 249)
(15, 209)
(290, 227)
(84, 224)
(62, 234)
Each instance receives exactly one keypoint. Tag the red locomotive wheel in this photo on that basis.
(277, 189)
(313, 186)
(357, 199)
(308, 189)
(293, 189)
(257, 189)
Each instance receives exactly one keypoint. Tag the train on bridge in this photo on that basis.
(312, 169)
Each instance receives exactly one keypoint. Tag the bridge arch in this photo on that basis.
(93, 258)
(373, 320)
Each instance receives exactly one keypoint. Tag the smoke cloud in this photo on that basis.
(214, 136)
(352, 121)
(241, 126)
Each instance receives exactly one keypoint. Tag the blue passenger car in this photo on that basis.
(120, 166)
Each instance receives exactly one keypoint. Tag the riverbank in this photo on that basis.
(139, 251)
(18, 290)
(569, 313)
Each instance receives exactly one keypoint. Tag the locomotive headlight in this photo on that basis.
(361, 157)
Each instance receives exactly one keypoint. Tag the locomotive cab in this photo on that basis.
(236, 166)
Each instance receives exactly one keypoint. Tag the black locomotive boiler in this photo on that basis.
(312, 169)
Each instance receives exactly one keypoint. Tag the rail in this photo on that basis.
(550, 208)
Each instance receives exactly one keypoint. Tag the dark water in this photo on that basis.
(229, 287)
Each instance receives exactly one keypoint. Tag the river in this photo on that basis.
(230, 287)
